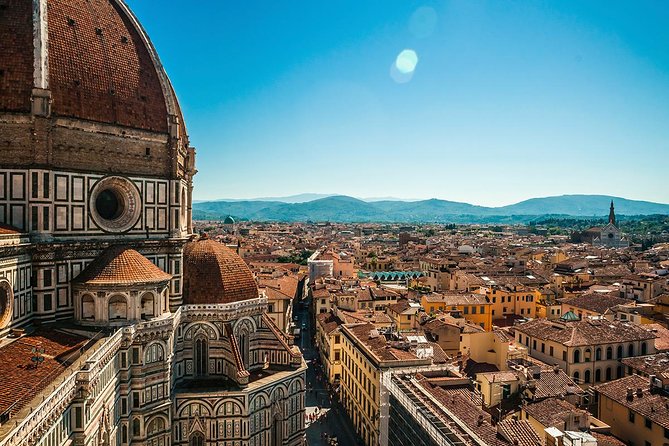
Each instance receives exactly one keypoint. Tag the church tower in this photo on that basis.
(612, 215)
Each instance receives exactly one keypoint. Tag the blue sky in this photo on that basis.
(508, 100)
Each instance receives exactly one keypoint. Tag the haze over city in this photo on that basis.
(488, 103)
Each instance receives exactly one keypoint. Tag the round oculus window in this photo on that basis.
(115, 204)
(109, 204)
(6, 298)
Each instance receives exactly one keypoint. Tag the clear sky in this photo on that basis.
(494, 102)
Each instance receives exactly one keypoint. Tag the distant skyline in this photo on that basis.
(487, 103)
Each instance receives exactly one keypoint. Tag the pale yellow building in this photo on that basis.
(496, 386)
(491, 347)
(366, 358)
(404, 314)
(328, 342)
(474, 308)
(589, 351)
(512, 300)
(637, 415)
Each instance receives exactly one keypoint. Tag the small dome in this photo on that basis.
(120, 265)
(214, 274)
(569, 316)
(229, 220)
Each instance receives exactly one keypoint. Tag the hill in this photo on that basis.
(341, 208)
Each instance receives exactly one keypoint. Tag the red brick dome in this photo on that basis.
(120, 265)
(214, 274)
(100, 65)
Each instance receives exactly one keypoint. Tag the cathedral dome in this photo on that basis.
(120, 266)
(214, 274)
(100, 65)
(88, 66)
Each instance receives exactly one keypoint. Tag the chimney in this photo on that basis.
(479, 421)
(630, 394)
(639, 392)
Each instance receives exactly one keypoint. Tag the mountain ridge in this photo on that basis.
(343, 208)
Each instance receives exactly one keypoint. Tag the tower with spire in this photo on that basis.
(612, 215)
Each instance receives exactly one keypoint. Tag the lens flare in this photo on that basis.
(406, 61)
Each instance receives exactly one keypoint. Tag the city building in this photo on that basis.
(474, 308)
(589, 351)
(636, 408)
(608, 235)
(368, 359)
(117, 325)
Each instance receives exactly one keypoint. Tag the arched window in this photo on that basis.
(586, 376)
(577, 377)
(136, 431)
(196, 439)
(154, 353)
(598, 375)
(630, 350)
(148, 306)
(598, 354)
(118, 308)
(244, 347)
(277, 431)
(184, 206)
(88, 307)
(644, 348)
(588, 355)
(201, 355)
(619, 372)
(155, 426)
(619, 352)
(577, 356)
(608, 373)
(609, 353)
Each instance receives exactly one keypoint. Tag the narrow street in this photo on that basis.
(330, 417)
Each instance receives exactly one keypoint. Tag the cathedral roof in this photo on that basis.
(213, 274)
(98, 64)
(120, 265)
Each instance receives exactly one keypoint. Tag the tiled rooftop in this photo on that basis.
(585, 332)
(654, 406)
(21, 379)
(213, 273)
(120, 265)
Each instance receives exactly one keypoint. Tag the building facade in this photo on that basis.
(96, 178)
(589, 351)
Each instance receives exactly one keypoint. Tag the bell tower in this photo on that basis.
(612, 215)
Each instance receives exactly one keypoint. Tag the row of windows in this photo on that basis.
(647, 422)
(587, 353)
(587, 375)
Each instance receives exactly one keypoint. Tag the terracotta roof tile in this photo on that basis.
(596, 302)
(213, 273)
(16, 56)
(99, 67)
(654, 406)
(20, 379)
(518, 430)
(120, 265)
(649, 365)
(585, 332)
(9, 230)
(552, 412)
